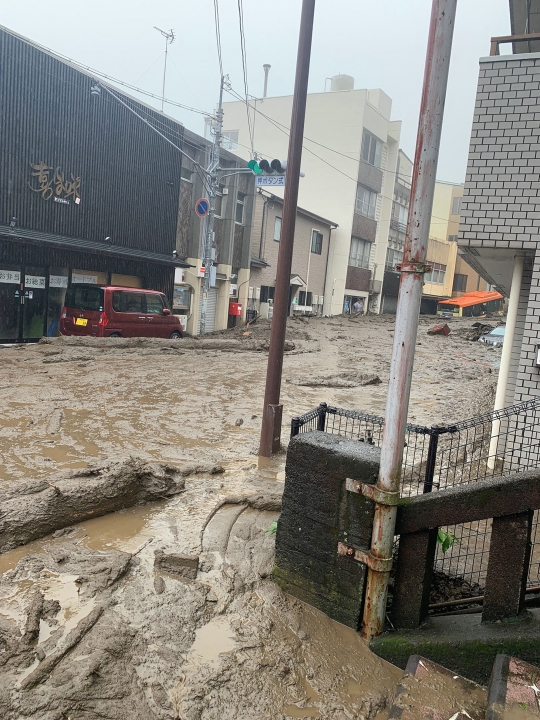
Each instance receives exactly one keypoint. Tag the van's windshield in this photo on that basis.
(84, 297)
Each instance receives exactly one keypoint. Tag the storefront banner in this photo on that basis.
(10, 276)
(34, 281)
(84, 279)
(58, 281)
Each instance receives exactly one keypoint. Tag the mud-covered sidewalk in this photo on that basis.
(164, 609)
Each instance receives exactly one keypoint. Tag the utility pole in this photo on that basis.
(412, 271)
(272, 410)
(169, 39)
(213, 189)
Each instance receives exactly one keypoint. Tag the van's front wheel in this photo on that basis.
(175, 335)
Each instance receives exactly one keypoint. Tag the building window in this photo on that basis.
(360, 252)
(453, 238)
(305, 298)
(229, 139)
(371, 149)
(437, 275)
(460, 283)
(186, 173)
(267, 293)
(277, 229)
(366, 201)
(316, 242)
(456, 205)
(239, 217)
(393, 258)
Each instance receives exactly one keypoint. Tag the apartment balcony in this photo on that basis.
(397, 226)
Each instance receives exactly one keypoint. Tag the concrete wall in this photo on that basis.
(317, 513)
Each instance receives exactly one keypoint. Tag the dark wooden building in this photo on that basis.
(88, 192)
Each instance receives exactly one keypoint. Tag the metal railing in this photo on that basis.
(442, 456)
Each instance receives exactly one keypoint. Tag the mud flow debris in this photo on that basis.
(135, 556)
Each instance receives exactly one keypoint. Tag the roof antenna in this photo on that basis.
(169, 39)
(266, 69)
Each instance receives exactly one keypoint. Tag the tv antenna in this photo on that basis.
(169, 39)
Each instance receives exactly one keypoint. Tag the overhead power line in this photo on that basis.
(282, 129)
(98, 73)
(244, 68)
(218, 37)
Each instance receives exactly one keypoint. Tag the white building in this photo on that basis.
(349, 160)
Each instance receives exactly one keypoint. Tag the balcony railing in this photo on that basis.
(396, 225)
(496, 41)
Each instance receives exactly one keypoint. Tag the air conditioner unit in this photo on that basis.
(250, 293)
(233, 290)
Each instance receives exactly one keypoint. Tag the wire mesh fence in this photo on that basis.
(492, 445)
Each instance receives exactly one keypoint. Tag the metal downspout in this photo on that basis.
(412, 272)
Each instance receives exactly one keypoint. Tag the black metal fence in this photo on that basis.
(440, 456)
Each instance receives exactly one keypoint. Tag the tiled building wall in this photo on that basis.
(501, 207)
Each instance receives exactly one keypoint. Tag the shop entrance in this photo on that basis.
(31, 299)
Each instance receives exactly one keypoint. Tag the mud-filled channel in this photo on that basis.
(96, 619)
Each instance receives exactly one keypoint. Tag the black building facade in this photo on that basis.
(88, 192)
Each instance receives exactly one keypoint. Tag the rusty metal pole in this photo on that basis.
(271, 421)
(412, 272)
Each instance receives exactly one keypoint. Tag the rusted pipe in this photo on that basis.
(410, 293)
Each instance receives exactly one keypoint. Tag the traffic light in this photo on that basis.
(263, 167)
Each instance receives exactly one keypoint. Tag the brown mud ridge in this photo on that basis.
(343, 380)
(244, 344)
(107, 634)
(35, 508)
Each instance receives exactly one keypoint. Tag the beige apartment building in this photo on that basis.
(445, 219)
(349, 160)
(312, 239)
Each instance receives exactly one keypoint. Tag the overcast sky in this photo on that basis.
(381, 43)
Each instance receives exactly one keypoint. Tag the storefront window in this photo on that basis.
(58, 283)
(10, 301)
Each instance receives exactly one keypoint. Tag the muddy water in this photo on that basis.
(185, 407)
(205, 407)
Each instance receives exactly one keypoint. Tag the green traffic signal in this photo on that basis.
(253, 165)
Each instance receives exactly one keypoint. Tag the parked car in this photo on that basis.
(495, 337)
(118, 312)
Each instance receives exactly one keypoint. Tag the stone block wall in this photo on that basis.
(317, 513)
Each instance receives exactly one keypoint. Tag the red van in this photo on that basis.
(118, 312)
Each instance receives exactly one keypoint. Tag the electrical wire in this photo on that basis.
(337, 152)
(113, 94)
(98, 73)
(218, 37)
(244, 67)
(281, 127)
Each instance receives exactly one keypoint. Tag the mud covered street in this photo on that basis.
(165, 609)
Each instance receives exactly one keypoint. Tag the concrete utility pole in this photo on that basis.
(169, 39)
(272, 410)
(412, 271)
(213, 189)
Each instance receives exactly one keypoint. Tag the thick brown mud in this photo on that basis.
(90, 626)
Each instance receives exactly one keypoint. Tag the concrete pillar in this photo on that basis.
(506, 356)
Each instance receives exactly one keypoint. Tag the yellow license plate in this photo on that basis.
(81, 321)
